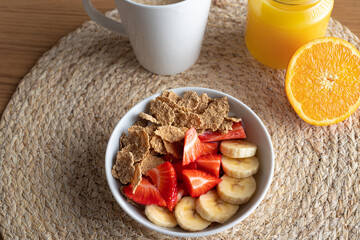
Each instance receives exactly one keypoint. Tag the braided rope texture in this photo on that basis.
(54, 131)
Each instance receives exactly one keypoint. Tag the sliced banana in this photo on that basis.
(237, 148)
(161, 216)
(213, 209)
(240, 167)
(187, 217)
(236, 190)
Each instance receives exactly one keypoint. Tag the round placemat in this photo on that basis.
(54, 131)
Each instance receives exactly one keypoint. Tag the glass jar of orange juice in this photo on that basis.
(275, 29)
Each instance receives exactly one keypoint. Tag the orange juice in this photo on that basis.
(275, 29)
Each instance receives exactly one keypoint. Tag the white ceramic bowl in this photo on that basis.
(256, 133)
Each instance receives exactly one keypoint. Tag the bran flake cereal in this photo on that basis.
(172, 104)
(157, 144)
(226, 126)
(135, 181)
(190, 101)
(148, 117)
(171, 133)
(124, 167)
(214, 114)
(150, 130)
(233, 119)
(140, 123)
(162, 112)
(121, 145)
(187, 119)
(137, 142)
(203, 103)
(170, 95)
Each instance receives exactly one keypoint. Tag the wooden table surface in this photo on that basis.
(30, 28)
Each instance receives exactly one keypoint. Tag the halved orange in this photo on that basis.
(323, 81)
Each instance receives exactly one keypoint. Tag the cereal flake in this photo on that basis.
(171, 133)
(170, 95)
(172, 104)
(162, 112)
(137, 142)
(226, 126)
(140, 123)
(135, 181)
(150, 162)
(150, 130)
(203, 104)
(186, 119)
(124, 167)
(157, 144)
(121, 141)
(190, 101)
(233, 119)
(214, 114)
(148, 117)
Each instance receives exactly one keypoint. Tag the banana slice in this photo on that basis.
(237, 148)
(240, 167)
(187, 217)
(213, 209)
(160, 216)
(236, 190)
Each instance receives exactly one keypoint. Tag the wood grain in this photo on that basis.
(30, 28)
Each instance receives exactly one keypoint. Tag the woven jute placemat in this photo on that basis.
(54, 131)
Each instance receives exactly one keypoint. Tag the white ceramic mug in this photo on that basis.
(166, 39)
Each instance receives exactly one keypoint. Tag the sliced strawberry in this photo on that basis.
(191, 165)
(182, 186)
(198, 182)
(180, 193)
(236, 133)
(192, 147)
(179, 167)
(210, 148)
(210, 164)
(164, 178)
(145, 194)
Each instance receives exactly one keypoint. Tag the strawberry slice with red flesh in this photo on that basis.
(145, 194)
(180, 194)
(210, 148)
(237, 133)
(182, 186)
(210, 164)
(179, 167)
(164, 178)
(198, 182)
(192, 147)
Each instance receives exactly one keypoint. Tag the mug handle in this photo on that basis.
(102, 20)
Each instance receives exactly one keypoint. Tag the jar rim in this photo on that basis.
(296, 2)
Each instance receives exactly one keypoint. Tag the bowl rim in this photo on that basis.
(123, 203)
